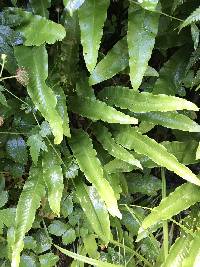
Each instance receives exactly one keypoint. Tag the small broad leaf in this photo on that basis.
(173, 120)
(126, 98)
(142, 31)
(149, 4)
(40, 7)
(92, 15)
(69, 237)
(48, 260)
(3, 198)
(194, 17)
(57, 228)
(81, 258)
(29, 202)
(3, 100)
(35, 62)
(53, 177)
(90, 246)
(36, 144)
(16, 149)
(38, 30)
(142, 144)
(90, 165)
(98, 110)
(7, 218)
(94, 209)
(114, 149)
(72, 5)
(178, 252)
(182, 198)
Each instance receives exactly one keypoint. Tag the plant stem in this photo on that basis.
(165, 223)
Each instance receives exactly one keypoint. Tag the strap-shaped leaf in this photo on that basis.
(35, 62)
(182, 198)
(29, 202)
(192, 259)
(38, 30)
(90, 261)
(90, 165)
(172, 73)
(178, 252)
(142, 31)
(53, 177)
(114, 149)
(61, 108)
(126, 98)
(94, 209)
(98, 110)
(92, 15)
(198, 152)
(40, 7)
(172, 120)
(142, 144)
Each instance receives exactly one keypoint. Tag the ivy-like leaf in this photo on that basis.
(142, 31)
(94, 209)
(38, 30)
(16, 149)
(114, 149)
(142, 144)
(29, 202)
(125, 98)
(35, 62)
(36, 144)
(194, 17)
(98, 110)
(40, 7)
(182, 198)
(92, 15)
(90, 165)
(53, 177)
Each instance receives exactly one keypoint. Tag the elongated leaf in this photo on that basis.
(90, 165)
(38, 30)
(94, 209)
(172, 120)
(40, 7)
(35, 62)
(178, 252)
(81, 258)
(53, 177)
(198, 152)
(73, 5)
(92, 15)
(109, 144)
(29, 202)
(98, 110)
(142, 30)
(142, 144)
(182, 198)
(61, 108)
(172, 73)
(193, 256)
(194, 17)
(116, 60)
(143, 102)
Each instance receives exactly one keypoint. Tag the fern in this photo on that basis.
(194, 17)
